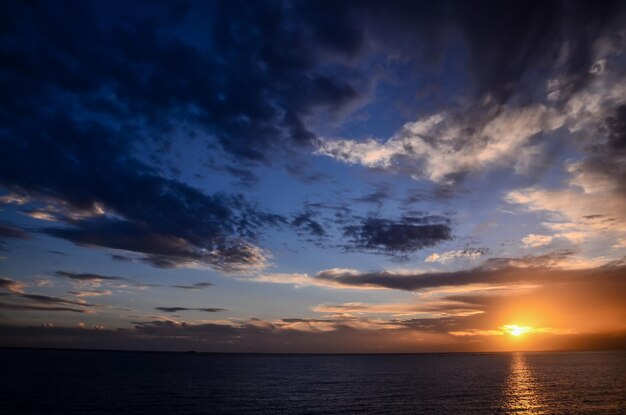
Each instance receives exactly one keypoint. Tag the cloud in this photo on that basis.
(91, 293)
(240, 83)
(12, 286)
(575, 215)
(534, 241)
(390, 237)
(231, 85)
(177, 309)
(30, 307)
(293, 335)
(589, 210)
(84, 276)
(300, 171)
(300, 280)
(86, 279)
(434, 309)
(305, 222)
(185, 226)
(82, 162)
(494, 273)
(531, 269)
(37, 302)
(18, 299)
(443, 147)
(377, 197)
(447, 256)
(44, 299)
(559, 308)
(245, 177)
(9, 231)
(504, 125)
(13, 199)
(196, 286)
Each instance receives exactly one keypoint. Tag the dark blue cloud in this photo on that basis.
(84, 276)
(9, 231)
(84, 82)
(399, 237)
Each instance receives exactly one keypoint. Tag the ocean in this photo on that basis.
(107, 382)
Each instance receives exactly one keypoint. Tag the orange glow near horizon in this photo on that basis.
(515, 330)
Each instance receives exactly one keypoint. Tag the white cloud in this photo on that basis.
(534, 241)
(451, 255)
(442, 145)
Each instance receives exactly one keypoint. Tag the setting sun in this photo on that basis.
(515, 330)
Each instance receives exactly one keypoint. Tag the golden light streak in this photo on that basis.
(515, 330)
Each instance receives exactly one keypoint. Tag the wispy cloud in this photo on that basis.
(196, 286)
(11, 285)
(178, 309)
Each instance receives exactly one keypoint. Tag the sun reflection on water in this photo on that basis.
(522, 392)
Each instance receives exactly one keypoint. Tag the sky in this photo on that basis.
(313, 176)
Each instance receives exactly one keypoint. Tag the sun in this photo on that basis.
(515, 330)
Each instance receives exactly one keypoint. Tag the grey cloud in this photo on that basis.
(378, 197)
(196, 286)
(300, 171)
(539, 269)
(177, 309)
(404, 236)
(607, 155)
(30, 307)
(11, 285)
(44, 299)
(10, 231)
(83, 276)
(90, 293)
(306, 222)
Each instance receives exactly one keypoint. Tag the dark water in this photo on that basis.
(82, 382)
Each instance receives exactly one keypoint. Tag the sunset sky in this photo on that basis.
(313, 176)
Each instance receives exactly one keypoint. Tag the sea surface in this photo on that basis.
(104, 382)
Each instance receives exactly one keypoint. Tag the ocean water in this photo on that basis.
(95, 382)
